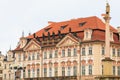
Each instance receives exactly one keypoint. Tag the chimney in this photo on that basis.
(34, 35)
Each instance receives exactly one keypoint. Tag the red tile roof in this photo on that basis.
(90, 22)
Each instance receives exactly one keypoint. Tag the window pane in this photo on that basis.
(63, 53)
(83, 70)
(74, 52)
(69, 52)
(90, 50)
(83, 51)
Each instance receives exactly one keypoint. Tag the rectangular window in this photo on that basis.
(45, 72)
(45, 55)
(28, 73)
(113, 70)
(33, 56)
(4, 76)
(50, 72)
(5, 66)
(56, 71)
(103, 51)
(90, 50)
(29, 57)
(50, 54)
(118, 52)
(90, 69)
(38, 56)
(33, 72)
(83, 51)
(75, 71)
(74, 52)
(118, 70)
(38, 72)
(23, 73)
(63, 71)
(69, 52)
(56, 53)
(69, 70)
(0, 71)
(63, 53)
(113, 52)
(83, 70)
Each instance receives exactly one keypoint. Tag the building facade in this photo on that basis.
(69, 50)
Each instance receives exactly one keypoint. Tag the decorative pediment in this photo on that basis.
(32, 45)
(68, 40)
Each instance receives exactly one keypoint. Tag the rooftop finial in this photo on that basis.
(107, 9)
(22, 33)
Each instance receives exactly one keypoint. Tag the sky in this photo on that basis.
(30, 16)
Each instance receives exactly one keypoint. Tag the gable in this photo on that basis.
(68, 41)
(32, 45)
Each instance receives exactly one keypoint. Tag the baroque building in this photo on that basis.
(68, 50)
(64, 50)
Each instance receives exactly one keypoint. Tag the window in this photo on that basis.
(69, 70)
(83, 70)
(29, 57)
(9, 76)
(45, 55)
(113, 70)
(24, 73)
(50, 54)
(113, 52)
(86, 34)
(83, 51)
(103, 51)
(75, 71)
(4, 76)
(56, 71)
(0, 71)
(33, 72)
(50, 72)
(5, 66)
(63, 71)
(38, 72)
(118, 52)
(45, 72)
(63, 53)
(56, 53)
(90, 50)
(118, 70)
(69, 52)
(74, 52)
(90, 69)
(33, 56)
(38, 56)
(28, 73)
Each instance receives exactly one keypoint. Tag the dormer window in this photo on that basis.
(63, 27)
(47, 29)
(87, 34)
(82, 24)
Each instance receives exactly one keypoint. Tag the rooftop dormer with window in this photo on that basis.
(87, 34)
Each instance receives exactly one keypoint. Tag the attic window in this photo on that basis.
(47, 29)
(82, 24)
(63, 27)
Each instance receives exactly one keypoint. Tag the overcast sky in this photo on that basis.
(31, 15)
